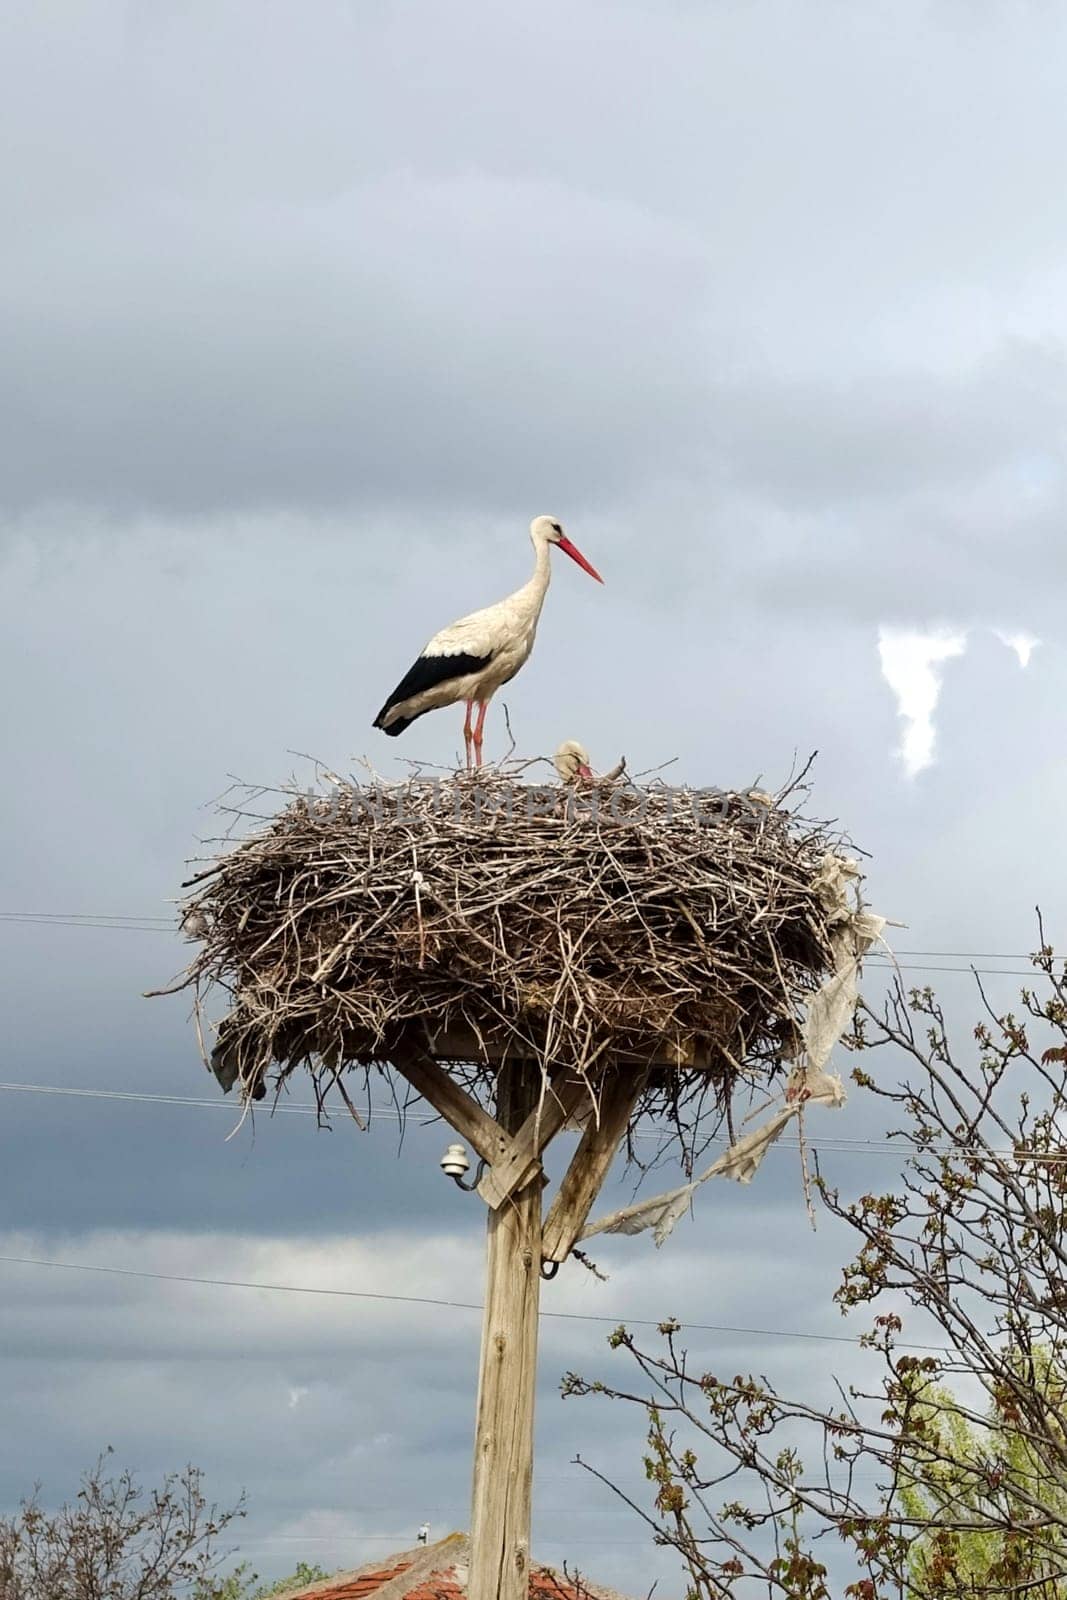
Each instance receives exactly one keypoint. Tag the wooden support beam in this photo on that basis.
(513, 1161)
(522, 1162)
(503, 1447)
(590, 1165)
(458, 1108)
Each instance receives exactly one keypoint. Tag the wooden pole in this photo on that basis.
(503, 1443)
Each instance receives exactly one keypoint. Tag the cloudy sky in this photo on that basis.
(306, 311)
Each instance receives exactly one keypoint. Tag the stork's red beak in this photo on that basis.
(576, 555)
(583, 771)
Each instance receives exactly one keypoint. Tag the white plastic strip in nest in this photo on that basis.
(830, 1010)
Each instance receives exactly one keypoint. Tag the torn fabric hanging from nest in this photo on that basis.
(852, 931)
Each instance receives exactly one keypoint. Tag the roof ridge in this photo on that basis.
(452, 1548)
(451, 1544)
(404, 1572)
(578, 1585)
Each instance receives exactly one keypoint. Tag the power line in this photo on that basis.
(251, 1542)
(831, 1143)
(883, 962)
(888, 965)
(306, 1108)
(963, 955)
(439, 1304)
(299, 1108)
(129, 925)
(352, 1536)
(171, 922)
(157, 924)
(329, 1538)
(85, 916)
(440, 1514)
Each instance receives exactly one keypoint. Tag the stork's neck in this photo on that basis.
(531, 597)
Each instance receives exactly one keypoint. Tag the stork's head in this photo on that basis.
(547, 530)
(572, 762)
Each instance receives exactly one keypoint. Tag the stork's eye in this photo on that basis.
(557, 528)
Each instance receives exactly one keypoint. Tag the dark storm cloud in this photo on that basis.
(404, 261)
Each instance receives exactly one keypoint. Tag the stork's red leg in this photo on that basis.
(479, 724)
(467, 733)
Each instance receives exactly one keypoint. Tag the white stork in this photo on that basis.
(572, 763)
(472, 658)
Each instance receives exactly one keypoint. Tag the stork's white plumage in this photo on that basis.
(572, 763)
(474, 657)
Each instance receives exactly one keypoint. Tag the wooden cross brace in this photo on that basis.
(514, 1160)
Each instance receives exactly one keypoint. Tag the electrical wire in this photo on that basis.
(439, 1304)
(829, 1143)
(300, 1108)
(329, 1538)
(85, 916)
(888, 965)
(169, 922)
(158, 924)
(251, 1542)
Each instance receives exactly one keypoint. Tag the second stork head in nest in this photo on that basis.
(572, 763)
(474, 657)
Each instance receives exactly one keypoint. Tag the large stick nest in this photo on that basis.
(677, 932)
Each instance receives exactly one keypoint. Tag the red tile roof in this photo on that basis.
(435, 1572)
(356, 1588)
(436, 1587)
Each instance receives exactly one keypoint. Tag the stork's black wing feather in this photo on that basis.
(427, 673)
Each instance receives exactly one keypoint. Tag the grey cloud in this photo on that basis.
(382, 1438)
(380, 349)
(833, 444)
(551, 264)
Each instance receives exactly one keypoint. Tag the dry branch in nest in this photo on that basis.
(673, 933)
